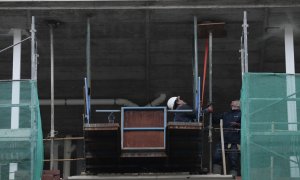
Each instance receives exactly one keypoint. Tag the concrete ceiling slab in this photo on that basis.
(128, 63)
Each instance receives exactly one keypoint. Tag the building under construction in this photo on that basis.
(84, 86)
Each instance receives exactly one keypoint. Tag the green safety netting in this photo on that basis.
(21, 139)
(270, 126)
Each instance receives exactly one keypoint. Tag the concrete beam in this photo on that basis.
(73, 0)
(130, 4)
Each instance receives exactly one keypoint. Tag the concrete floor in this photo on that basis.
(140, 49)
(150, 177)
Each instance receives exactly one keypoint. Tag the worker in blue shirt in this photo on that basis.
(232, 137)
(176, 103)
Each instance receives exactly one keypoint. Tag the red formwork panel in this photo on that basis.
(144, 139)
(152, 118)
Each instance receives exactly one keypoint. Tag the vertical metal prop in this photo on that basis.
(88, 80)
(147, 50)
(245, 32)
(210, 101)
(87, 102)
(242, 57)
(199, 99)
(33, 52)
(52, 96)
(195, 60)
(223, 148)
(33, 78)
(88, 53)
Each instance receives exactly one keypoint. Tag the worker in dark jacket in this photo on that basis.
(178, 104)
(232, 137)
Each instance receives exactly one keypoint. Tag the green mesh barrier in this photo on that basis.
(21, 139)
(270, 126)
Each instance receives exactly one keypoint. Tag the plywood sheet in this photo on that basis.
(153, 118)
(143, 139)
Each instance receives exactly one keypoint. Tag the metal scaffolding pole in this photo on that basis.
(245, 32)
(242, 57)
(52, 134)
(210, 101)
(223, 148)
(195, 60)
(33, 51)
(147, 50)
(33, 78)
(88, 53)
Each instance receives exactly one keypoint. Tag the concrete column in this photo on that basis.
(291, 89)
(55, 154)
(290, 69)
(15, 98)
(13, 167)
(289, 50)
(16, 76)
(68, 148)
(79, 153)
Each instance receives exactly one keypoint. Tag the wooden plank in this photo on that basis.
(153, 118)
(143, 139)
(101, 127)
(185, 125)
(144, 154)
(217, 29)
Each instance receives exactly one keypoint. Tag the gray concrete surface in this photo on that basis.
(125, 66)
(150, 177)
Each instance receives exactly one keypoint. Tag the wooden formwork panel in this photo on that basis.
(143, 119)
(143, 139)
(143, 129)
